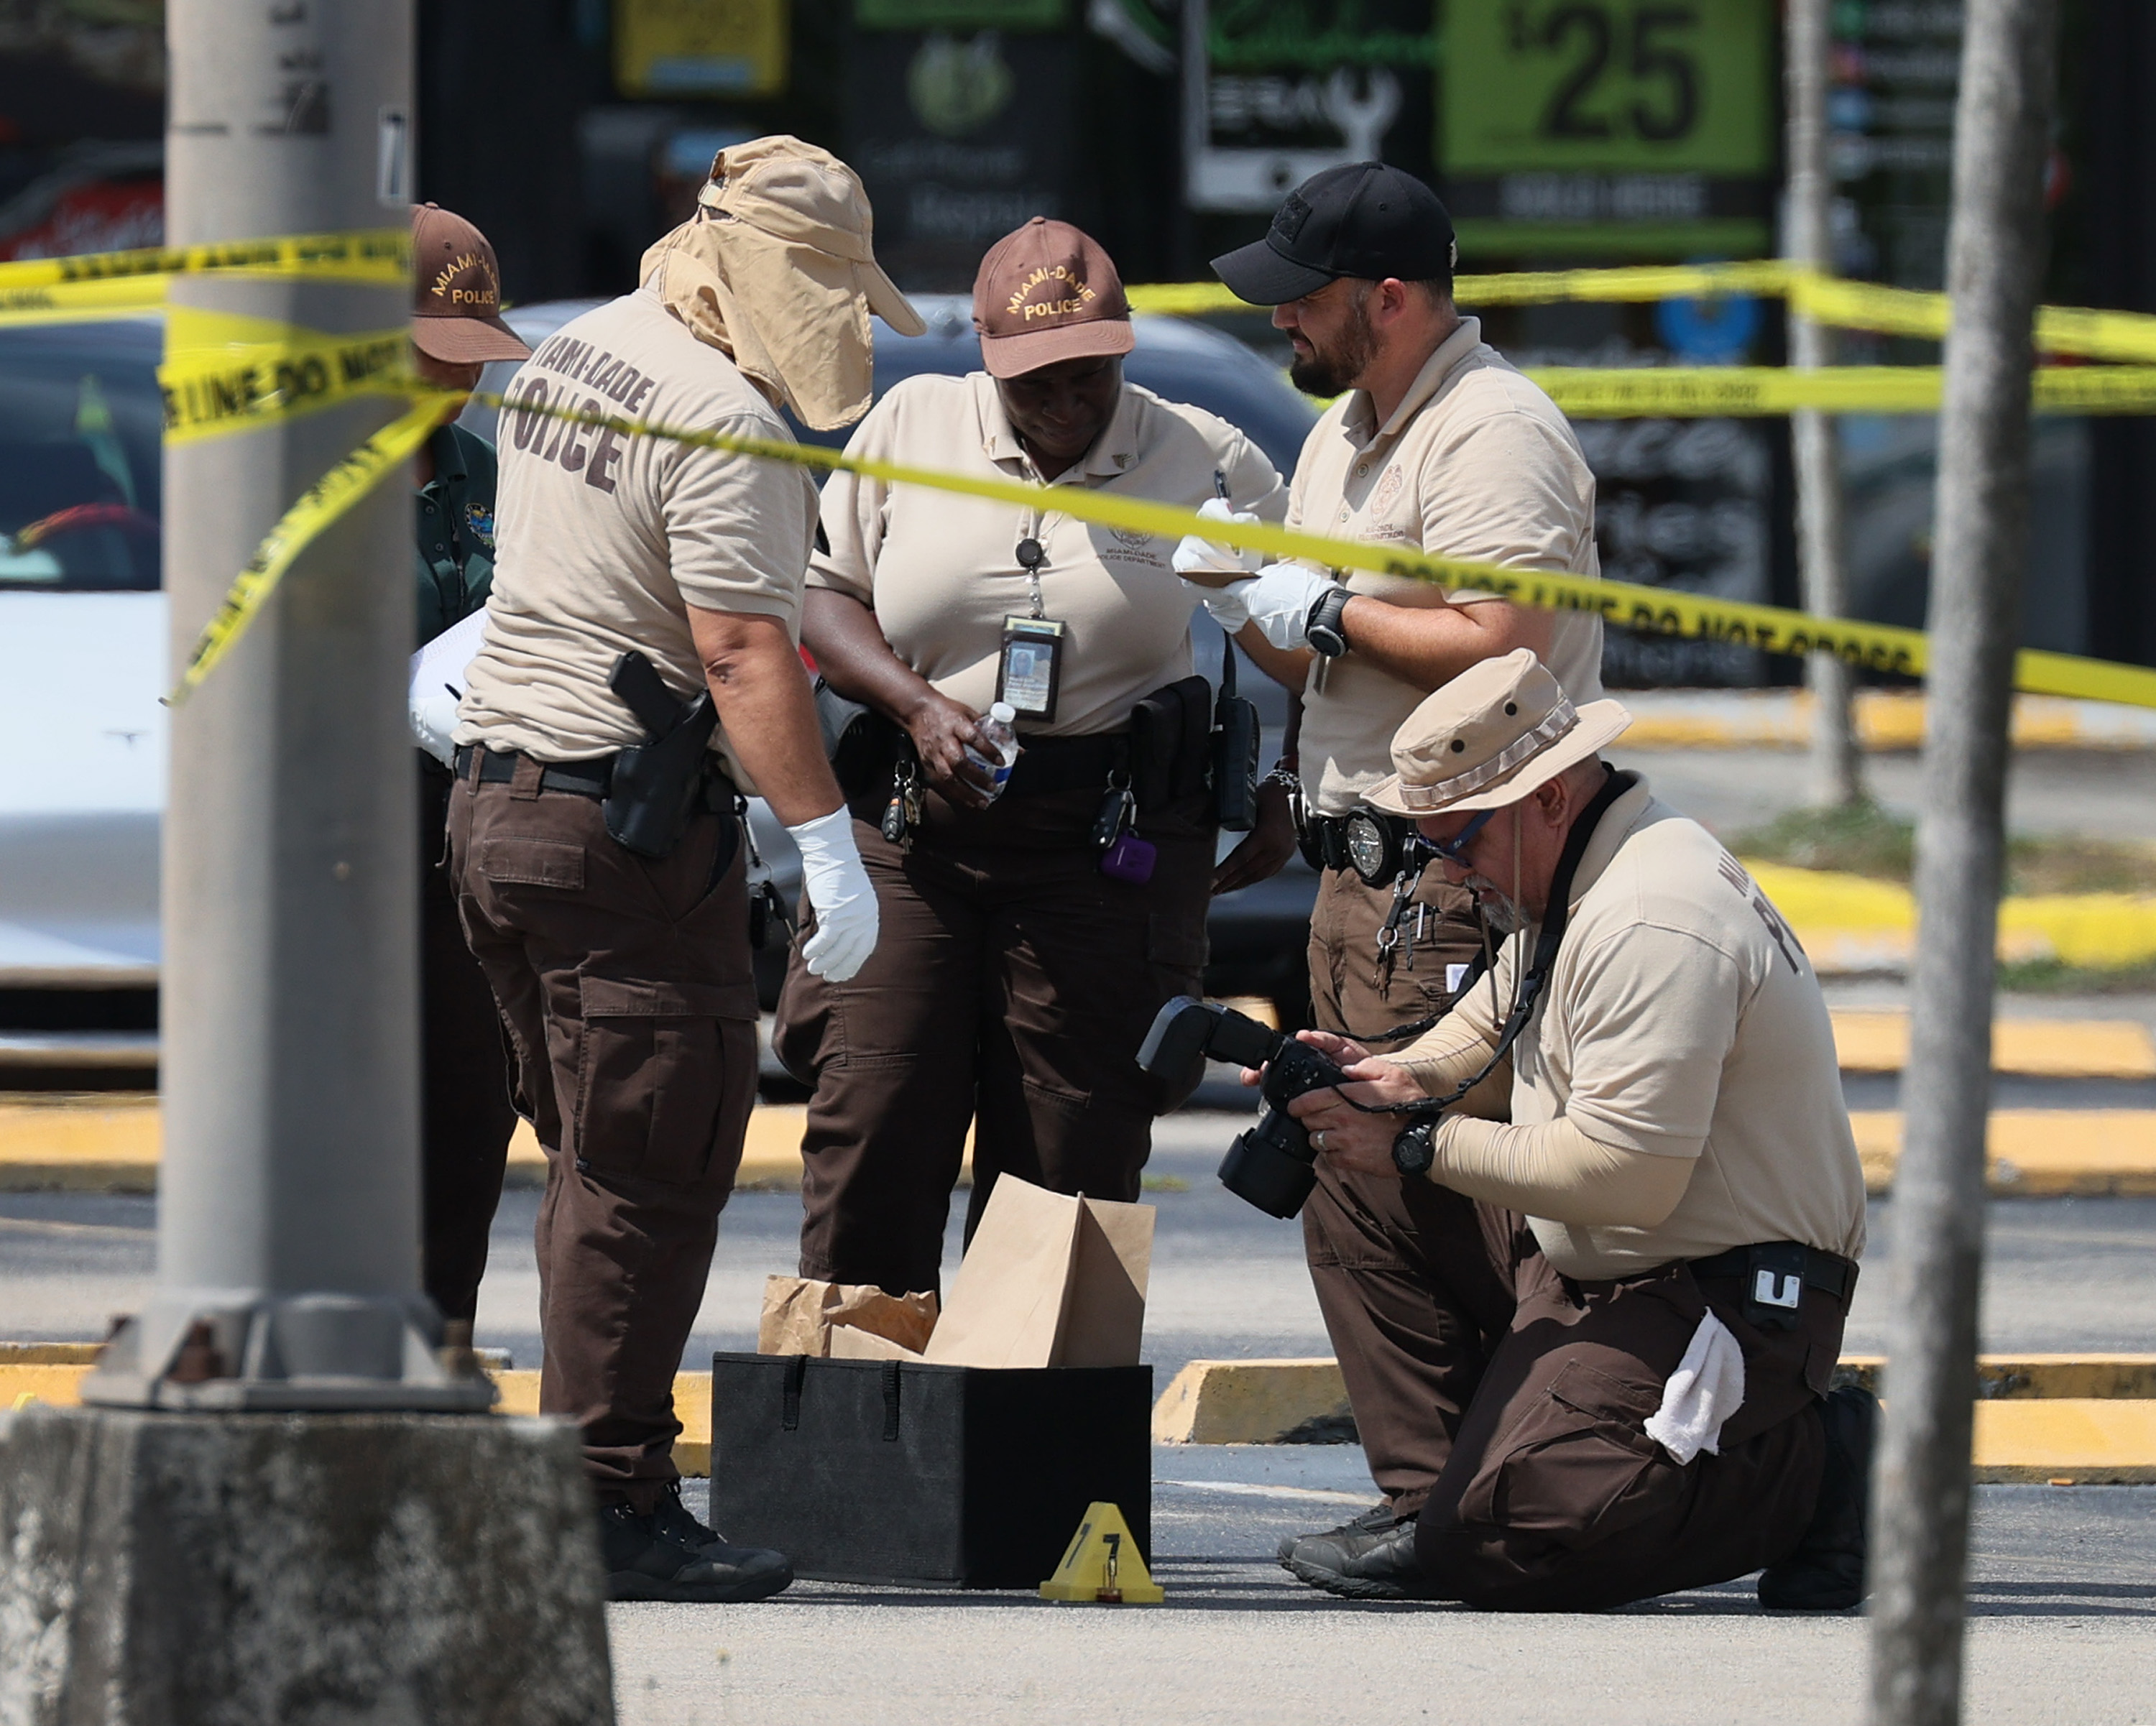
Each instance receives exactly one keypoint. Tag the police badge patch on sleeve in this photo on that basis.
(479, 518)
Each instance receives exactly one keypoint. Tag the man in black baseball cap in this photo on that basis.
(1364, 219)
(1434, 445)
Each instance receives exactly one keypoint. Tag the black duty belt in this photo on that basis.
(1048, 765)
(1775, 1273)
(498, 766)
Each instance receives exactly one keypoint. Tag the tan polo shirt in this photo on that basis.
(605, 540)
(1682, 1019)
(1475, 463)
(941, 572)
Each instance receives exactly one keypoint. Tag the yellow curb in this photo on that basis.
(771, 1156)
(1265, 1401)
(2043, 1377)
(93, 1143)
(1886, 720)
(1878, 1041)
(2036, 1152)
(2083, 1441)
(1247, 1401)
(60, 1385)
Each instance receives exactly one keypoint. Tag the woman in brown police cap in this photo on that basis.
(466, 1118)
(1032, 924)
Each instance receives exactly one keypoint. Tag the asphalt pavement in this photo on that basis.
(2061, 1603)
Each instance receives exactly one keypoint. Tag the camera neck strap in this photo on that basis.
(1547, 938)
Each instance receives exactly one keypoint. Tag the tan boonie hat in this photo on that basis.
(1048, 293)
(1491, 736)
(776, 270)
(456, 292)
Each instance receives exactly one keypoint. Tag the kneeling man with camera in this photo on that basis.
(1613, 1324)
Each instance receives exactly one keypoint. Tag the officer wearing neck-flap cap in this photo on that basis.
(638, 674)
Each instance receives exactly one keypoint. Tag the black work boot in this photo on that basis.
(1378, 1518)
(1361, 1561)
(1826, 1574)
(668, 1555)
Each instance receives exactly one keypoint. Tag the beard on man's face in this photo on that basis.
(1332, 369)
(1498, 910)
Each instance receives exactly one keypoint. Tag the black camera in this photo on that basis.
(1273, 1165)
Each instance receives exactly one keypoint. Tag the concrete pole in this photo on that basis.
(1822, 547)
(288, 1216)
(1995, 262)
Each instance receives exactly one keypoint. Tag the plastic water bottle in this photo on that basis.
(999, 732)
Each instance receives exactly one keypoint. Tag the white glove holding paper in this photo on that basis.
(1195, 555)
(839, 893)
(438, 685)
(1278, 599)
(1223, 603)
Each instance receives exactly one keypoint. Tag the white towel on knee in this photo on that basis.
(1706, 1388)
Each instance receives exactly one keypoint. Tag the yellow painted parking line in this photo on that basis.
(99, 1142)
(2037, 1153)
(1878, 1041)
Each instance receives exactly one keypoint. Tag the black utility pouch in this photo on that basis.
(657, 787)
(1171, 744)
(1774, 1285)
(1234, 765)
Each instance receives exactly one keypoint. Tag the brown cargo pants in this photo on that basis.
(1011, 985)
(466, 1113)
(1403, 1322)
(1548, 1495)
(626, 988)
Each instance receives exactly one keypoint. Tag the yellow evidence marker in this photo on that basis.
(1103, 1566)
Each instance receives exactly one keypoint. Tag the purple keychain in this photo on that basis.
(1130, 859)
(1124, 856)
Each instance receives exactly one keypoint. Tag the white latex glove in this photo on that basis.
(1279, 599)
(1225, 603)
(1194, 553)
(839, 893)
(433, 716)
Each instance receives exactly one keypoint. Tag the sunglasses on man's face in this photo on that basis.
(1454, 850)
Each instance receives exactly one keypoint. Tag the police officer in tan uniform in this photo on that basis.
(1436, 445)
(1026, 940)
(639, 670)
(1633, 1292)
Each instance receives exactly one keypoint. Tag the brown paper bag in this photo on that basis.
(1049, 1281)
(800, 1313)
(849, 1344)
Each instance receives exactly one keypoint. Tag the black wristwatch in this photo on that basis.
(1416, 1149)
(1324, 631)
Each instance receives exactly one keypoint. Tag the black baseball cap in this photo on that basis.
(1364, 219)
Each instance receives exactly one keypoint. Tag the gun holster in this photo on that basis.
(657, 787)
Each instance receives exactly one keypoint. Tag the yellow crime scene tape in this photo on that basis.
(1662, 611)
(2078, 330)
(224, 374)
(1737, 391)
(318, 507)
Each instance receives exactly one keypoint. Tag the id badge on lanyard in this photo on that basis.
(1029, 667)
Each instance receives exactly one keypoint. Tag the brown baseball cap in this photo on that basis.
(456, 292)
(1046, 293)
